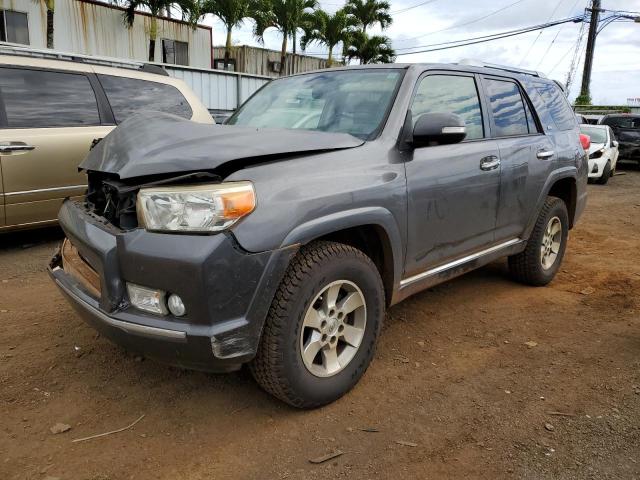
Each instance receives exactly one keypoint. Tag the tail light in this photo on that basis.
(585, 140)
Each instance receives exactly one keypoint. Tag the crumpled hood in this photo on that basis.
(153, 143)
(595, 147)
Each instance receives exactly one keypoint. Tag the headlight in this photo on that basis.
(597, 153)
(200, 208)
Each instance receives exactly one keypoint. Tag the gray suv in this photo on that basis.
(279, 239)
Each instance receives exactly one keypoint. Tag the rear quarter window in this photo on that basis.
(128, 96)
(557, 105)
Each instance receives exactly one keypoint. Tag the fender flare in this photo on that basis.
(357, 217)
(556, 175)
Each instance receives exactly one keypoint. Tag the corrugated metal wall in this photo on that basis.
(218, 90)
(255, 61)
(85, 27)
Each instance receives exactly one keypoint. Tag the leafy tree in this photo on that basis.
(374, 49)
(369, 12)
(328, 30)
(155, 7)
(286, 16)
(583, 100)
(231, 13)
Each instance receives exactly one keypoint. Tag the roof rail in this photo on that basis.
(22, 51)
(480, 63)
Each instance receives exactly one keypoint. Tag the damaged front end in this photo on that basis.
(115, 200)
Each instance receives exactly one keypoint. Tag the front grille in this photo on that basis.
(112, 200)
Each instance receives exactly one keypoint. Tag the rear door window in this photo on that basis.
(450, 94)
(40, 98)
(131, 95)
(558, 106)
(510, 117)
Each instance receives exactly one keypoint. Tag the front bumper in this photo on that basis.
(596, 166)
(227, 291)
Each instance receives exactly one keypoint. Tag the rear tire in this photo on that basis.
(541, 259)
(606, 174)
(305, 313)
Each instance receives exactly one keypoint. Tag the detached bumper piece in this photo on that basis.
(227, 291)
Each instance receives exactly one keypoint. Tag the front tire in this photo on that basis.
(541, 259)
(322, 327)
(606, 174)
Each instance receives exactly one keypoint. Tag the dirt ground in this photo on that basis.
(477, 378)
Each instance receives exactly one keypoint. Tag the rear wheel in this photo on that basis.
(321, 330)
(606, 174)
(541, 259)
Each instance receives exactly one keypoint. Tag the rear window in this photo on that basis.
(597, 135)
(622, 122)
(558, 106)
(40, 99)
(131, 95)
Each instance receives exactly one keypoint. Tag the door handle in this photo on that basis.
(15, 147)
(545, 154)
(489, 163)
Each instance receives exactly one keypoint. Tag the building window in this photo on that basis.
(218, 64)
(175, 52)
(14, 27)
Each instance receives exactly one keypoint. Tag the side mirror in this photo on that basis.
(438, 129)
(615, 143)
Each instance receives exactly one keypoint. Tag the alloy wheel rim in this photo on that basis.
(551, 241)
(333, 328)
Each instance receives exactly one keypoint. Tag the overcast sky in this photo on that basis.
(616, 71)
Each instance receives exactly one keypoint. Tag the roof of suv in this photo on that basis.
(73, 66)
(486, 69)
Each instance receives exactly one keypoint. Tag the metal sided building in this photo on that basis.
(260, 61)
(88, 27)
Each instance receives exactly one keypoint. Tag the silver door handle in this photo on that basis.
(16, 148)
(544, 154)
(489, 163)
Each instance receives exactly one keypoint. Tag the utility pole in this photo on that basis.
(591, 46)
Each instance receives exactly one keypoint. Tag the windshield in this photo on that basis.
(597, 135)
(351, 101)
(623, 122)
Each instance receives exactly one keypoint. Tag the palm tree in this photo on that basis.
(328, 30)
(286, 16)
(155, 7)
(49, 5)
(369, 12)
(374, 49)
(231, 13)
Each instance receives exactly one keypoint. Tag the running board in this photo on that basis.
(444, 272)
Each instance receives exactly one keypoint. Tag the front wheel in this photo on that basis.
(606, 174)
(321, 331)
(541, 259)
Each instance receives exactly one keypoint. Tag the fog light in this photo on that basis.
(176, 306)
(147, 299)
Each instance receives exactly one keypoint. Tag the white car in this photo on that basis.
(603, 153)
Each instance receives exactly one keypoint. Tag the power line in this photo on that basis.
(489, 38)
(535, 40)
(522, 29)
(402, 10)
(495, 12)
(576, 57)
(555, 38)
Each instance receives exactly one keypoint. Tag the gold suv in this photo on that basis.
(50, 113)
